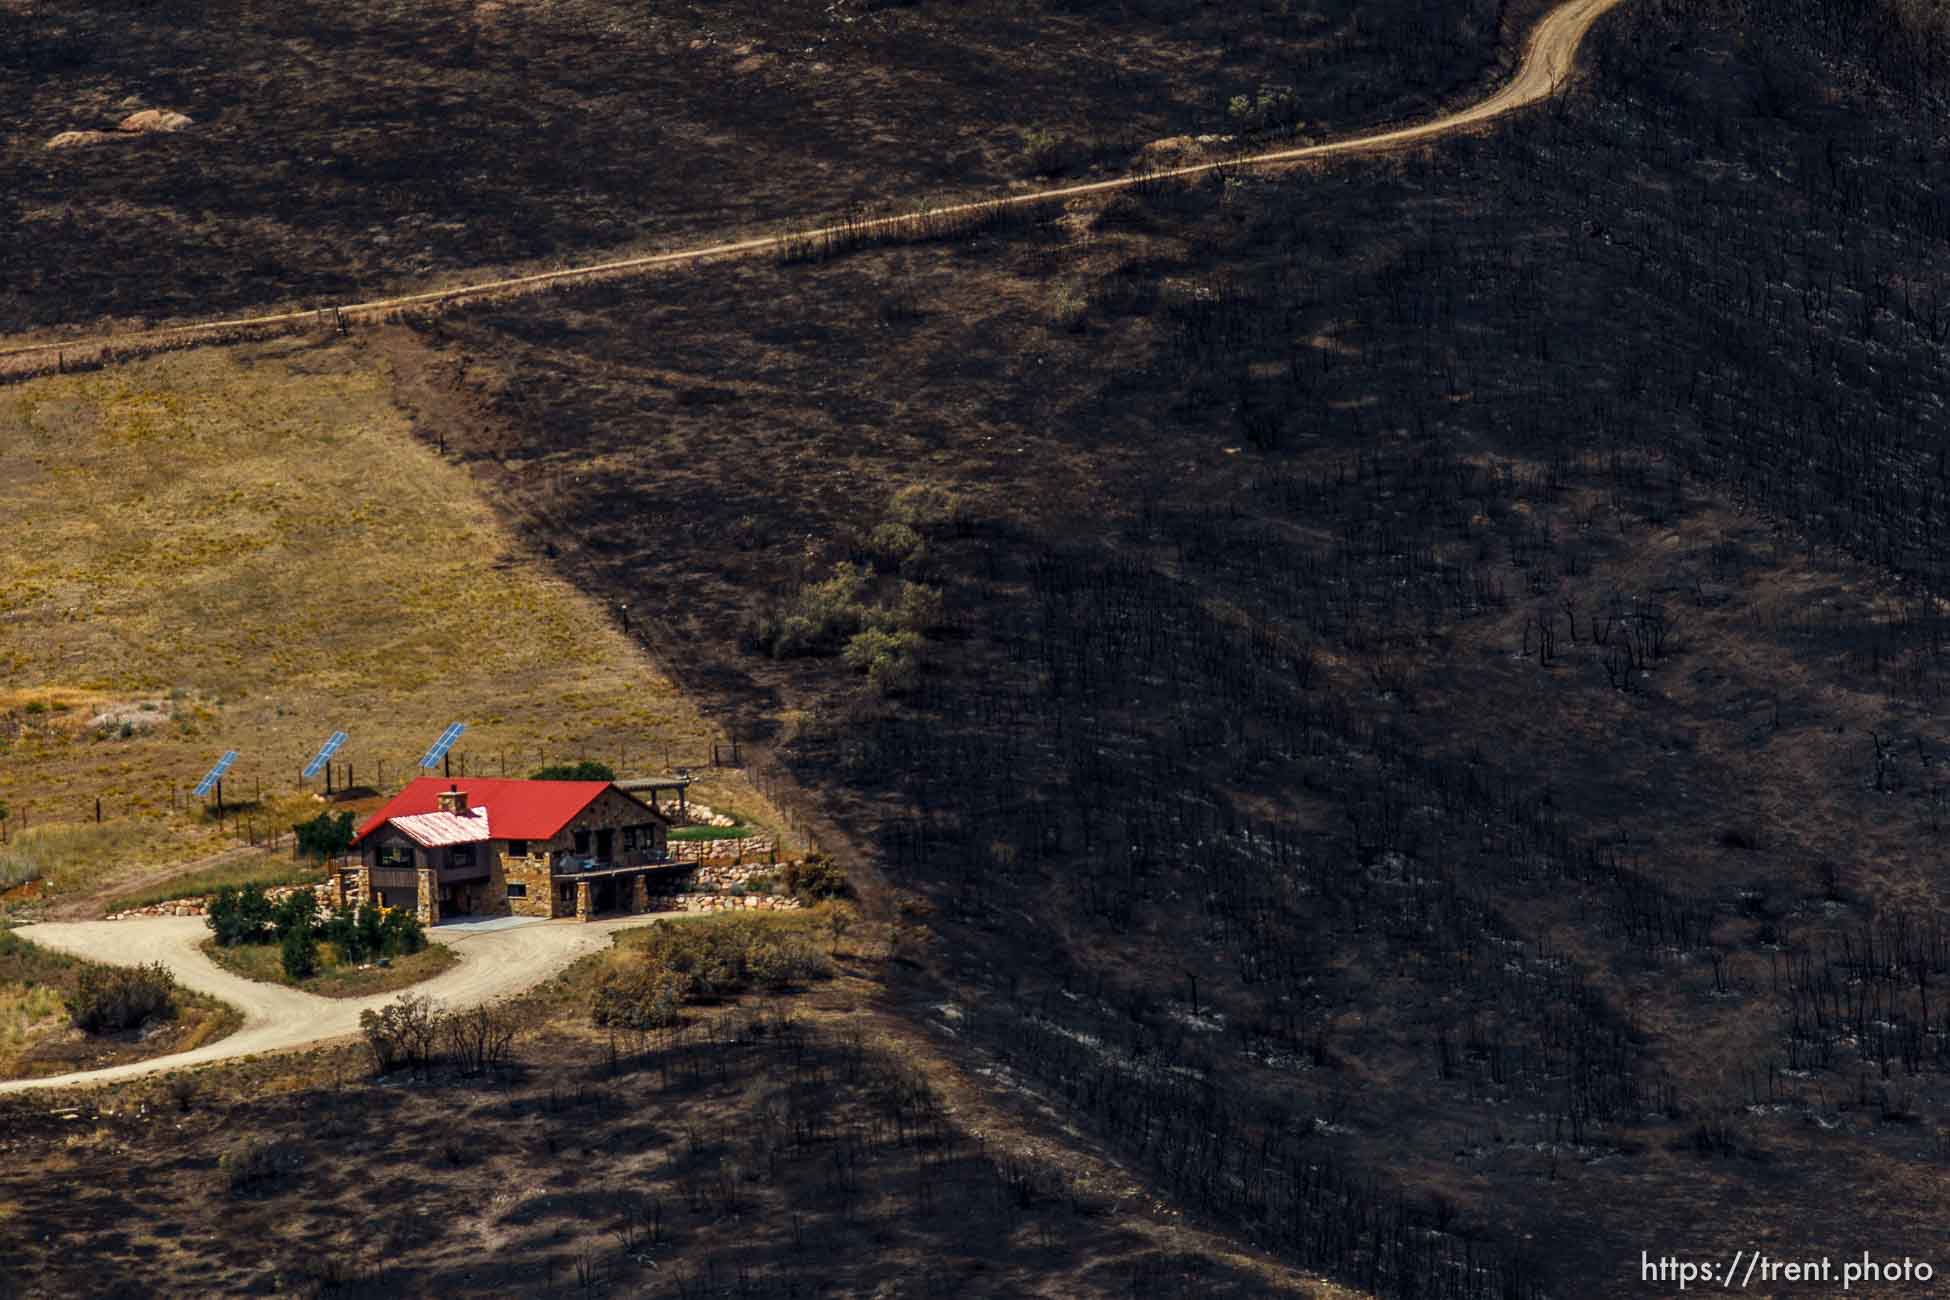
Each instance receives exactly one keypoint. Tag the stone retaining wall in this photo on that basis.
(751, 846)
(713, 879)
(722, 903)
(327, 893)
(723, 873)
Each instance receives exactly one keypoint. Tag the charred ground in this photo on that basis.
(1432, 743)
(346, 152)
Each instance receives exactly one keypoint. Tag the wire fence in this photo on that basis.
(240, 806)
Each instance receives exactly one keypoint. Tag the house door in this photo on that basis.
(603, 839)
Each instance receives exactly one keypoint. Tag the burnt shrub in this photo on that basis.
(255, 1166)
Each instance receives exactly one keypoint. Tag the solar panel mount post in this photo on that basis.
(213, 779)
(325, 752)
(438, 754)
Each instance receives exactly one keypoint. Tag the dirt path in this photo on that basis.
(492, 964)
(88, 906)
(1548, 57)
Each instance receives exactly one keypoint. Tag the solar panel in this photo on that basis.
(442, 745)
(216, 773)
(325, 752)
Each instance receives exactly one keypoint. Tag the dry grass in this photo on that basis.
(247, 550)
(264, 962)
(267, 868)
(37, 1039)
(64, 855)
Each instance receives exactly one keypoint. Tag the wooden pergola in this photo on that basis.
(655, 785)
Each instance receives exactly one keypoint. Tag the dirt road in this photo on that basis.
(493, 964)
(1548, 57)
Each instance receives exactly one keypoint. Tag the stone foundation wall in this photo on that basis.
(531, 871)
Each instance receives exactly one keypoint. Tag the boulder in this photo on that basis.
(155, 119)
(80, 139)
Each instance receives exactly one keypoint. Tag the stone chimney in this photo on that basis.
(454, 800)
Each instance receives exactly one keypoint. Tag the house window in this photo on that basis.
(582, 842)
(517, 891)
(517, 848)
(463, 855)
(629, 838)
(395, 855)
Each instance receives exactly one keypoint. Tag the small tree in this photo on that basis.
(300, 952)
(298, 911)
(401, 934)
(221, 916)
(372, 930)
(325, 835)
(342, 931)
(254, 912)
(238, 915)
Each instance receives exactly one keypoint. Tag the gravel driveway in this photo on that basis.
(493, 963)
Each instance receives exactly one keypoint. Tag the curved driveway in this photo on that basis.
(1548, 56)
(492, 964)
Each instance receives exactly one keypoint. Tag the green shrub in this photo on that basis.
(638, 997)
(341, 930)
(771, 966)
(725, 956)
(926, 505)
(1050, 153)
(297, 912)
(372, 931)
(401, 934)
(819, 618)
(586, 770)
(299, 952)
(896, 543)
(1273, 108)
(889, 659)
(917, 609)
(325, 835)
(108, 999)
(816, 877)
(239, 915)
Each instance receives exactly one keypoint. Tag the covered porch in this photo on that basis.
(609, 889)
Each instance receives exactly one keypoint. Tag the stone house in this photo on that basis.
(497, 847)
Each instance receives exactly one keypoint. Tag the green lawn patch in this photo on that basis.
(264, 962)
(711, 832)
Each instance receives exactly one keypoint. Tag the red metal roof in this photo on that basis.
(518, 810)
